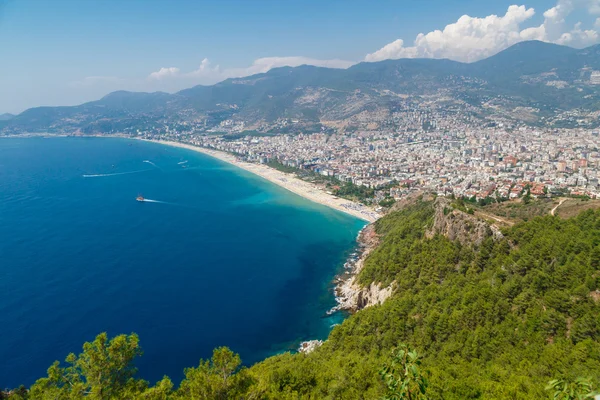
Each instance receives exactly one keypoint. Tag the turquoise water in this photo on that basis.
(221, 257)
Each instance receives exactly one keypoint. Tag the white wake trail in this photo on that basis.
(151, 163)
(155, 201)
(115, 174)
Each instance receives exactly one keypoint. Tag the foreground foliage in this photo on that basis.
(497, 321)
(580, 389)
(402, 376)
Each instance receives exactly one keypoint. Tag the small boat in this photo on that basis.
(140, 198)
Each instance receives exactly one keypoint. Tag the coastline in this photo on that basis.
(349, 295)
(308, 300)
(287, 181)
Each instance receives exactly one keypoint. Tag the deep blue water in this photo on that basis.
(227, 258)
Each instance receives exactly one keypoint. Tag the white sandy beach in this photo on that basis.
(289, 182)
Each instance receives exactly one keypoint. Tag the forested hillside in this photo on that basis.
(494, 321)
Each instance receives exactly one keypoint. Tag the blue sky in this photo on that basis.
(65, 52)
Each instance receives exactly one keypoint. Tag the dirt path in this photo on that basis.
(494, 217)
(553, 211)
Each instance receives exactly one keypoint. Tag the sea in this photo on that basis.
(215, 256)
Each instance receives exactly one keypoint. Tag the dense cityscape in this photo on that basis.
(485, 163)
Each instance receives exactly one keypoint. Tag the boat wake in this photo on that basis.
(182, 162)
(154, 201)
(114, 174)
(151, 163)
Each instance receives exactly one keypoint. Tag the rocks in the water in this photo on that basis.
(309, 346)
(349, 294)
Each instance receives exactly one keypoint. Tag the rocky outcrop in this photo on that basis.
(458, 225)
(448, 221)
(309, 346)
(353, 297)
(350, 295)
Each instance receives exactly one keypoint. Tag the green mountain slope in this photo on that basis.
(494, 321)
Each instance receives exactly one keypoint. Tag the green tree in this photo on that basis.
(580, 389)
(215, 378)
(225, 362)
(527, 197)
(161, 391)
(402, 376)
(104, 370)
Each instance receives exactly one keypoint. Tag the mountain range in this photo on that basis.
(531, 82)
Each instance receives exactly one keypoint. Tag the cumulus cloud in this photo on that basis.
(205, 69)
(472, 38)
(594, 7)
(468, 39)
(578, 37)
(164, 73)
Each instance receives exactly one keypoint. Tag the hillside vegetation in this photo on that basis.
(493, 321)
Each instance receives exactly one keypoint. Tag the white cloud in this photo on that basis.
(578, 37)
(206, 73)
(594, 7)
(472, 38)
(555, 30)
(468, 39)
(164, 73)
(205, 69)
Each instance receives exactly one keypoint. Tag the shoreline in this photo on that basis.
(284, 180)
(349, 296)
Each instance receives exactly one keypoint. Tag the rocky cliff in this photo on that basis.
(459, 225)
(448, 221)
(352, 296)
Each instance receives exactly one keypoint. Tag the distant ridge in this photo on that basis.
(6, 116)
(547, 77)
